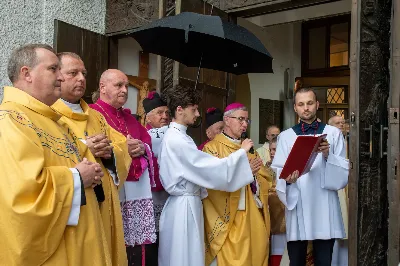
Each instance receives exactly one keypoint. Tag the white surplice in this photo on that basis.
(185, 172)
(161, 196)
(312, 203)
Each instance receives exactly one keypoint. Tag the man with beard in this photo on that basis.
(311, 200)
(135, 195)
(214, 123)
(49, 211)
(247, 227)
(106, 147)
(185, 174)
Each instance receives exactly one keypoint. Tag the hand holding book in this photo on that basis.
(302, 156)
(293, 177)
(324, 148)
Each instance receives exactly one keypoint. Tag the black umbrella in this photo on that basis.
(194, 39)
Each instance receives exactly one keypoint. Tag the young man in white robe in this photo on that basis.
(311, 200)
(185, 174)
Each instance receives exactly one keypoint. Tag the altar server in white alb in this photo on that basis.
(311, 200)
(185, 173)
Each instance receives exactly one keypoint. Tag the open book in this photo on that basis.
(302, 155)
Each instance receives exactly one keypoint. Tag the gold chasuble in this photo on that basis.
(90, 123)
(37, 187)
(236, 237)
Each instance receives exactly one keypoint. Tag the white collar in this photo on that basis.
(177, 126)
(237, 141)
(75, 107)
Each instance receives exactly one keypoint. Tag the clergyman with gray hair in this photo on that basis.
(157, 119)
(48, 217)
(247, 207)
(272, 132)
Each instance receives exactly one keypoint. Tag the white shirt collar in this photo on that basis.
(75, 107)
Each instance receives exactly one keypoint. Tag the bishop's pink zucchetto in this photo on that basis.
(211, 109)
(151, 95)
(233, 106)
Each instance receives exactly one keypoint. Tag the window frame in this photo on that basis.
(327, 23)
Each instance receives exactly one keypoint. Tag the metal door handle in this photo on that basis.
(370, 139)
(381, 152)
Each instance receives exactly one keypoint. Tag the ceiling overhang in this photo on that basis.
(273, 6)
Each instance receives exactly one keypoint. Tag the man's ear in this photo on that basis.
(26, 74)
(102, 87)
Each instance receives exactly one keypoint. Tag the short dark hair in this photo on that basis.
(304, 90)
(24, 56)
(180, 95)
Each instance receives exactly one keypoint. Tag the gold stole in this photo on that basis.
(223, 222)
(92, 123)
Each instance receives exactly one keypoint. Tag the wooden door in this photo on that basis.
(92, 47)
(217, 86)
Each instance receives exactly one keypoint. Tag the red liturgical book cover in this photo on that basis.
(302, 155)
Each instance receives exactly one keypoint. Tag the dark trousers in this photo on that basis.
(322, 252)
(135, 255)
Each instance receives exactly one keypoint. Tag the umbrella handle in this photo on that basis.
(198, 71)
(201, 58)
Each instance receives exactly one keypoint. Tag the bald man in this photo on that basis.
(337, 121)
(135, 195)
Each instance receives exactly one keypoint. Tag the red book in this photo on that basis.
(302, 155)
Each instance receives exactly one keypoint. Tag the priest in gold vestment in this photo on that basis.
(237, 224)
(106, 146)
(49, 211)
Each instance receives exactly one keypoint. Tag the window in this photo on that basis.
(332, 101)
(339, 45)
(325, 45)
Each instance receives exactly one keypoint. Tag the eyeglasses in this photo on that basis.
(273, 135)
(241, 119)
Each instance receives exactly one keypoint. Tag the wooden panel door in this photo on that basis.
(92, 47)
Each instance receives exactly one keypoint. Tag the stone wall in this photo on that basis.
(32, 21)
(231, 4)
(124, 15)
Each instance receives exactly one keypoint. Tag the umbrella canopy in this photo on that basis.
(191, 38)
